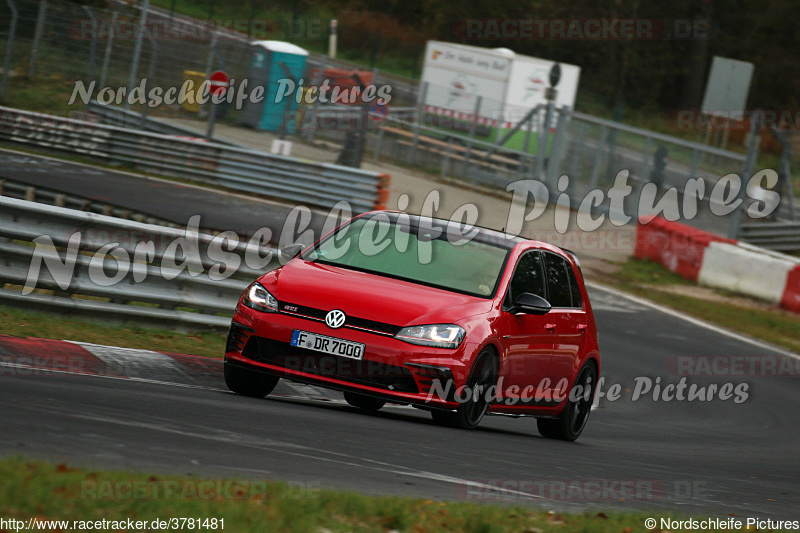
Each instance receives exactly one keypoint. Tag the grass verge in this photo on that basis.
(656, 283)
(58, 492)
(23, 323)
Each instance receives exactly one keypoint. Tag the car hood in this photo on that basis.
(369, 296)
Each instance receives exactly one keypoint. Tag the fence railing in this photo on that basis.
(285, 178)
(779, 236)
(88, 264)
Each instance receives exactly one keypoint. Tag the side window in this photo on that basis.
(528, 277)
(558, 287)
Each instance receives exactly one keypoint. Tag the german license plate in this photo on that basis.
(325, 344)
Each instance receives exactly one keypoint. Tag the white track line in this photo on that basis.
(692, 320)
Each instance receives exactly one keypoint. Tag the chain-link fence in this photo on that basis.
(678, 175)
(447, 130)
(57, 40)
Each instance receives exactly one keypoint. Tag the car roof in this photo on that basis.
(483, 235)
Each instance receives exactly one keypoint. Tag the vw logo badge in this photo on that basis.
(335, 319)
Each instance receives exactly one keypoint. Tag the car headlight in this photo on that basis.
(437, 335)
(258, 298)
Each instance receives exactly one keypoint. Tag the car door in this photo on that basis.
(568, 315)
(528, 339)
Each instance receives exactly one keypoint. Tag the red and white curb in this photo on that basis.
(27, 356)
(721, 263)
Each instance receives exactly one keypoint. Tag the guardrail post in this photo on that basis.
(12, 31)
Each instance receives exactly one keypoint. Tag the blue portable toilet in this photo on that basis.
(272, 61)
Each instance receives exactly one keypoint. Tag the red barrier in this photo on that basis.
(791, 293)
(676, 246)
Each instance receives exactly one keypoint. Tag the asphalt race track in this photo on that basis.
(702, 458)
(168, 200)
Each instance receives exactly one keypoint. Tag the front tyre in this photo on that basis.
(570, 423)
(470, 412)
(368, 404)
(248, 382)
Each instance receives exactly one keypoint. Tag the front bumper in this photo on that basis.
(391, 369)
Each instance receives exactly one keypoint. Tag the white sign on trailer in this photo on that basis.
(509, 84)
(457, 74)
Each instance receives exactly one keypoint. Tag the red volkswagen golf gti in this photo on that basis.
(460, 321)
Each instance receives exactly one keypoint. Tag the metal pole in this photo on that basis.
(554, 162)
(12, 30)
(544, 138)
(754, 142)
(379, 142)
(332, 40)
(107, 54)
(93, 47)
(37, 39)
(150, 71)
(417, 123)
(784, 185)
(137, 51)
(211, 53)
(472, 128)
(212, 118)
(288, 108)
(315, 104)
(446, 163)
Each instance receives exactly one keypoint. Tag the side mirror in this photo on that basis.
(291, 251)
(531, 304)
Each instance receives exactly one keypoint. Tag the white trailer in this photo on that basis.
(509, 84)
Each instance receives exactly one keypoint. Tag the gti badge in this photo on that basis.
(335, 319)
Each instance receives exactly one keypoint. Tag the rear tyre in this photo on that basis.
(570, 423)
(249, 382)
(368, 404)
(470, 413)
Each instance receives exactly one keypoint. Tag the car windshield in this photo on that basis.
(429, 252)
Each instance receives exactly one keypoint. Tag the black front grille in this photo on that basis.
(236, 336)
(351, 321)
(365, 372)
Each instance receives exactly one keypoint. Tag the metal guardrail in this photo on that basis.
(777, 236)
(125, 118)
(155, 280)
(242, 169)
(23, 191)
